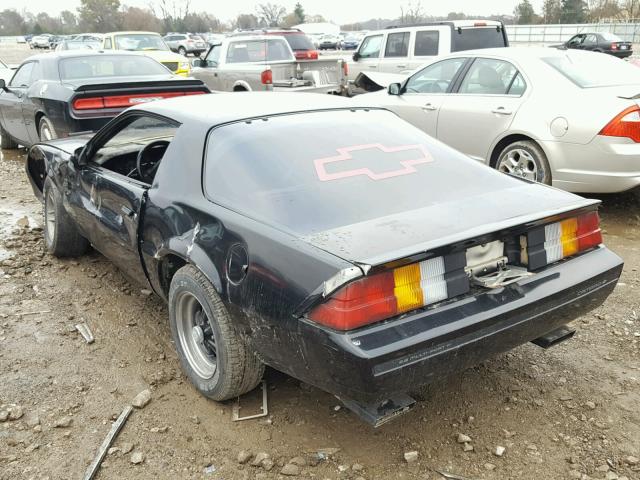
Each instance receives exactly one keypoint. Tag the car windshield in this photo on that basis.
(477, 37)
(299, 41)
(140, 41)
(594, 70)
(250, 51)
(340, 168)
(610, 37)
(109, 66)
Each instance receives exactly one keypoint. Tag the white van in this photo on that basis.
(404, 48)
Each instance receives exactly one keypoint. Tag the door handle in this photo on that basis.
(429, 106)
(501, 111)
(401, 66)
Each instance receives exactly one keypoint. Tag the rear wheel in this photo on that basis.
(46, 130)
(215, 356)
(6, 141)
(182, 51)
(525, 159)
(61, 236)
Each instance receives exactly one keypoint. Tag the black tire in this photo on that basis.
(238, 370)
(182, 51)
(6, 141)
(46, 131)
(532, 161)
(61, 235)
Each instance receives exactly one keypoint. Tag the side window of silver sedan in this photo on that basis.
(435, 78)
(488, 76)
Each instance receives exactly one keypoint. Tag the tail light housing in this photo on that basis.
(345, 68)
(125, 101)
(266, 77)
(614, 46)
(625, 124)
(392, 292)
(555, 241)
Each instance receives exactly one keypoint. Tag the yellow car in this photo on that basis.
(150, 44)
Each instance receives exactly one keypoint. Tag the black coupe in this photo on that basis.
(338, 244)
(55, 94)
(604, 42)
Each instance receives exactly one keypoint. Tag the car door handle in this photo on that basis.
(501, 111)
(401, 66)
(430, 106)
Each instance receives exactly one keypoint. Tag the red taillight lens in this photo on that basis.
(124, 101)
(266, 77)
(625, 124)
(345, 68)
(312, 54)
(589, 233)
(614, 46)
(361, 302)
(88, 103)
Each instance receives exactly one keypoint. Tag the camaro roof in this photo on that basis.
(80, 53)
(217, 108)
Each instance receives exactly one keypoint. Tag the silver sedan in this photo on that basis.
(566, 118)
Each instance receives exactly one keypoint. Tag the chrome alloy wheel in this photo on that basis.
(45, 132)
(521, 163)
(196, 335)
(50, 214)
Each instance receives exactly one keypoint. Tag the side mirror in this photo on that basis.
(3, 85)
(356, 57)
(394, 89)
(77, 158)
(198, 62)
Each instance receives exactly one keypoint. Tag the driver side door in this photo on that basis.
(12, 100)
(112, 197)
(208, 70)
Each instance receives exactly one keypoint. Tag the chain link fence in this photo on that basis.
(550, 34)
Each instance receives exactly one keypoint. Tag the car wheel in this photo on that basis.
(213, 353)
(525, 159)
(61, 235)
(182, 51)
(6, 141)
(46, 130)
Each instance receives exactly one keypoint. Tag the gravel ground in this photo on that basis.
(567, 412)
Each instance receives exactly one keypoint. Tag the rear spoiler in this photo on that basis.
(188, 84)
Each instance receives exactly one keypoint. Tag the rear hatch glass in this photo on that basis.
(472, 38)
(317, 171)
(299, 42)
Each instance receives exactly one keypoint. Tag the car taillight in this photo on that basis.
(480, 24)
(392, 292)
(266, 77)
(123, 101)
(625, 124)
(88, 103)
(312, 54)
(345, 68)
(614, 46)
(555, 241)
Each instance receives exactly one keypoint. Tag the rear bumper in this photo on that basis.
(604, 165)
(620, 53)
(373, 363)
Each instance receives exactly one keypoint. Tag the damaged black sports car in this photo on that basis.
(340, 245)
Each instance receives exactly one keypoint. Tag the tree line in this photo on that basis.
(577, 11)
(99, 16)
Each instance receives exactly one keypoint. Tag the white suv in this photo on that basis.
(403, 49)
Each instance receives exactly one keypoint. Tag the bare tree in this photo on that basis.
(631, 8)
(271, 14)
(411, 13)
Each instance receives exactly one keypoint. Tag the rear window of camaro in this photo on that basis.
(315, 171)
(109, 66)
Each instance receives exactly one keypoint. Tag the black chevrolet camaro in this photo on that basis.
(340, 245)
(56, 94)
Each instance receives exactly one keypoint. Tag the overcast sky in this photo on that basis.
(338, 11)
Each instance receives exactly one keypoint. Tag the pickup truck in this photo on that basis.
(266, 63)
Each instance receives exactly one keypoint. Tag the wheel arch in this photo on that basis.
(241, 86)
(172, 261)
(37, 166)
(508, 140)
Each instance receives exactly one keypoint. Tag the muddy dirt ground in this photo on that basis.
(568, 412)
